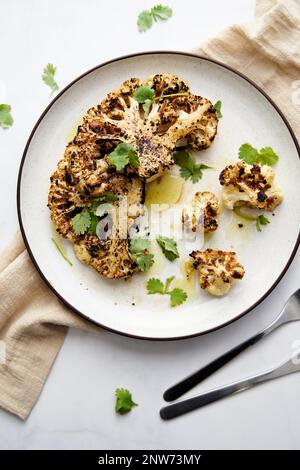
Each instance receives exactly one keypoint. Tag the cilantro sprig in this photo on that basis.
(6, 119)
(145, 96)
(251, 155)
(147, 17)
(189, 169)
(218, 106)
(87, 220)
(123, 155)
(48, 77)
(168, 246)
(259, 220)
(124, 402)
(156, 286)
(141, 248)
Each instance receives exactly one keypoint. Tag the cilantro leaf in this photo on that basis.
(158, 12)
(145, 21)
(259, 220)
(61, 251)
(6, 119)
(48, 77)
(267, 156)
(139, 244)
(161, 12)
(81, 222)
(122, 155)
(169, 247)
(140, 247)
(155, 286)
(177, 297)
(124, 402)
(189, 169)
(218, 106)
(143, 93)
(250, 155)
(93, 224)
(144, 261)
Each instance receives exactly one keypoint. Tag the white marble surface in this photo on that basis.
(76, 407)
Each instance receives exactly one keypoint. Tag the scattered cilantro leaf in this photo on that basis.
(259, 220)
(177, 297)
(61, 251)
(161, 12)
(167, 283)
(158, 12)
(250, 155)
(48, 77)
(124, 402)
(143, 93)
(189, 169)
(218, 106)
(6, 119)
(140, 247)
(155, 286)
(122, 155)
(144, 21)
(267, 156)
(81, 222)
(169, 247)
(144, 261)
(93, 224)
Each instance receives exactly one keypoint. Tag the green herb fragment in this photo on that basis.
(124, 402)
(218, 106)
(61, 251)
(169, 247)
(158, 12)
(259, 220)
(177, 296)
(123, 155)
(140, 247)
(250, 155)
(81, 222)
(6, 119)
(48, 77)
(189, 169)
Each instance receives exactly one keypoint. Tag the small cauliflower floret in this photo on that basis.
(203, 213)
(218, 270)
(250, 185)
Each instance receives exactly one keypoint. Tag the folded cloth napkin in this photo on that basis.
(33, 322)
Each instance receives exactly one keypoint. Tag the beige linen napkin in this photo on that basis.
(33, 322)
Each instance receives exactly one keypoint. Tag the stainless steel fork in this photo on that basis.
(289, 313)
(184, 406)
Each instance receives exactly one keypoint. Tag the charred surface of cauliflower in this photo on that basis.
(250, 185)
(218, 270)
(203, 213)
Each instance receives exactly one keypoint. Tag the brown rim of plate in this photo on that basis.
(60, 297)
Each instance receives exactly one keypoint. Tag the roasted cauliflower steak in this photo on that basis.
(218, 270)
(250, 185)
(202, 215)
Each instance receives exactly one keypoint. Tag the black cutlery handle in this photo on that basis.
(194, 379)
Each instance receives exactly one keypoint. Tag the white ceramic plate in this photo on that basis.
(248, 116)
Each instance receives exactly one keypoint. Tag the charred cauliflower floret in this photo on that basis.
(203, 213)
(120, 118)
(250, 185)
(218, 270)
(166, 85)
